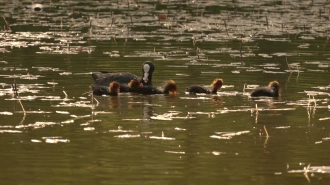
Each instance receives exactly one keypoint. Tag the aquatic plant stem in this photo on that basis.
(66, 95)
(8, 28)
(114, 38)
(298, 73)
(226, 27)
(308, 109)
(314, 108)
(240, 51)
(97, 102)
(23, 119)
(306, 173)
(266, 131)
(257, 113)
(22, 107)
(286, 59)
(307, 168)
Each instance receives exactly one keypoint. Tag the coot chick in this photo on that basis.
(215, 86)
(168, 88)
(112, 90)
(272, 90)
(123, 78)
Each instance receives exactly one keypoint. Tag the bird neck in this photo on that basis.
(214, 90)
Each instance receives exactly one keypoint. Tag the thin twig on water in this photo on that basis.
(97, 102)
(66, 95)
(298, 72)
(22, 107)
(266, 131)
(226, 27)
(306, 173)
(286, 59)
(114, 38)
(240, 51)
(257, 113)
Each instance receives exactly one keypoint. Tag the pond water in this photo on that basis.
(55, 132)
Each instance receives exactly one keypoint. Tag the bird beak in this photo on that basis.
(145, 77)
(173, 92)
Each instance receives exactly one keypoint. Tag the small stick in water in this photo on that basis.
(66, 95)
(226, 27)
(114, 38)
(266, 131)
(8, 28)
(286, 59)
(298, 73)
(306, 173)
(97, 102)
(22, 107)
(14, 88)
(307, 168)
(240, 51)
(257, 113)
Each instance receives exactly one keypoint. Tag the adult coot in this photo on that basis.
(123, 78)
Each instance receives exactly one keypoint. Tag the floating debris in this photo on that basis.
(265, 55)
(36, 125)
(322, 119)
(166, 116)
(101, 112)
(57, 141)
(313, 169)
(282, 127)
(62, 112)
(162, 137)
(218, 153)
(128, 136)
(174, 152)
(135, 119)
(6, 113)
(196, 98)
(66, 73)
(228, 135)
(220, 137)
(89, 128)
(11, 131)
(162, 117)
(182, 129)
(120, 130)
(36, 141)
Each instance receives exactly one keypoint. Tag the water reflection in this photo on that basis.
(108, 102)
(217, 101)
